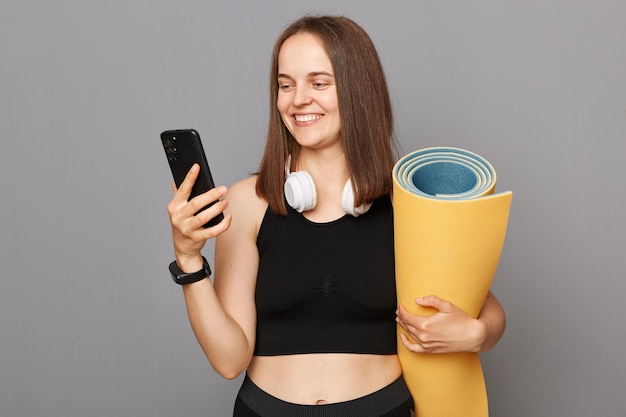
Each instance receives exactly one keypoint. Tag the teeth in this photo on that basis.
(307, 117)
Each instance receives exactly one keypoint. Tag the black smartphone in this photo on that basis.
(183, 148)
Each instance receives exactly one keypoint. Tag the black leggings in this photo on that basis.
(392, 401)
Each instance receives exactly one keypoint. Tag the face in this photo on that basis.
(307, 94)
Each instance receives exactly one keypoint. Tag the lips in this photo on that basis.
(304, 118)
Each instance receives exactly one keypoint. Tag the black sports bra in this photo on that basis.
(326, 287)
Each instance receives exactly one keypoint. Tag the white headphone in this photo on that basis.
(301, 194)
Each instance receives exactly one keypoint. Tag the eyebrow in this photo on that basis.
(309, 75)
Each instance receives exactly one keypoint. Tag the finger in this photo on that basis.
(188, 240)
(401, 323)
(423, 347)
(221, 227)
(401, 314)
(415, 347)
(433, 301)
(188, 218)
(407, 343)
(423, 329)
(203, 217)
(410, 323)
(204, 234)
(184, 190)
(409, 318)
(200, 201)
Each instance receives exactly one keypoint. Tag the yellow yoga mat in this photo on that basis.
(449, 229)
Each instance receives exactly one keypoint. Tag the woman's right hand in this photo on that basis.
(188, 234)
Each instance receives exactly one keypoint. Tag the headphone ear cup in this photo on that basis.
(347, 201)
(300, 191)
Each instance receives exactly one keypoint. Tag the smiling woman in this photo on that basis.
(366, 119)
(304, 298)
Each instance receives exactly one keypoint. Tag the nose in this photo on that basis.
(302, 96)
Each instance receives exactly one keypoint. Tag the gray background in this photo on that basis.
(91, 324)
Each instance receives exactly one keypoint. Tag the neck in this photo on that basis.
(330, 172)
(329, 164)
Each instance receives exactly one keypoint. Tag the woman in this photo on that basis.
(303, 298)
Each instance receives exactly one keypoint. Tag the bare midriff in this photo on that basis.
(323, 378)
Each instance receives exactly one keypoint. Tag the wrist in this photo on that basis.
(181, 277)
(482, 334)
(191, 263)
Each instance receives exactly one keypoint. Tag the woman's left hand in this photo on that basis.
(448, 330)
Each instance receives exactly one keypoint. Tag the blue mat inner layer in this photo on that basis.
(444, 178)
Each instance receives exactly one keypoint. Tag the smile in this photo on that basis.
(307, 117)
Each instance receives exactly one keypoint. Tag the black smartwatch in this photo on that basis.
(183, 278)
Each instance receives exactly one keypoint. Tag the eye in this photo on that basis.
(286, 87)
(320, 85)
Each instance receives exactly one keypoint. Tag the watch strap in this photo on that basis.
(183, 278)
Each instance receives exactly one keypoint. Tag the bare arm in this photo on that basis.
(450, 329)
(222, 315)
(493, 316)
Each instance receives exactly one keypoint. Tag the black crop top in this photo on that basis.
(326, 287)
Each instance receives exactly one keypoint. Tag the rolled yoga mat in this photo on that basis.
(449, 229)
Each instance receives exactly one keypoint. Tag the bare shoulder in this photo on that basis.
(245, 188)
(244, 203)
(246, 208)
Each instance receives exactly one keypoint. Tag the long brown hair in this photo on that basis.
(364, 107)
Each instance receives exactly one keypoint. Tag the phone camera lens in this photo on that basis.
(170, 148)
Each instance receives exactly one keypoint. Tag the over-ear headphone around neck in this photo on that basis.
(301, 194)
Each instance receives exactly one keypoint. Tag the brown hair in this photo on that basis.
(364, 107)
